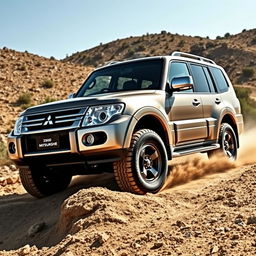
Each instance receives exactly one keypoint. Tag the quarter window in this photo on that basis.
(200, 81)
(219, 79)
(209, 79)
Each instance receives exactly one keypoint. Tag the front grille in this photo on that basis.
(50, 121)
(29, 142)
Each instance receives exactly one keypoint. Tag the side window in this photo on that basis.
(209, 79)
(219, 79)
(177, 69)
(200, 81)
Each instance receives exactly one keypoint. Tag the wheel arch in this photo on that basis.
(230, 119)
(151, 118)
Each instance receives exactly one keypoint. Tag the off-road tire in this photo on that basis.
(39, 182)
(128, 172)
(231, 153)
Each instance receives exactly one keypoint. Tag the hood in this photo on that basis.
(99, 99)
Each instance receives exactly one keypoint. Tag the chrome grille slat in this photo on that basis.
(32, 125)
(67, 120)
(53, 120)
(67, 116)
(34, 120)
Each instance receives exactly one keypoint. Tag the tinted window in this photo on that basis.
(200, 82)
(141, 75)
(178, 69)
(219, 79)
(209, 79)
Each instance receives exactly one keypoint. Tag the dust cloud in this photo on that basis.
(197, 166)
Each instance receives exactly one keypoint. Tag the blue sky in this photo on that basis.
(60, 27)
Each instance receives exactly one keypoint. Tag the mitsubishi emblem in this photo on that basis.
(48, 121)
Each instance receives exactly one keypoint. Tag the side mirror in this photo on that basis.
(71, 95)
(181, 83)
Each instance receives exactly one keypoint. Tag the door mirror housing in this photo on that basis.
(181, 83)
(71, 95)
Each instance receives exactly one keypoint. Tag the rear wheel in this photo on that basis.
(227, 141)
(144, 169)
(40, 182)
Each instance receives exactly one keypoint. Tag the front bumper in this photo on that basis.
(115, 137)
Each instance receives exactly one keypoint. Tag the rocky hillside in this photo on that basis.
(236, 53)
(27, 79)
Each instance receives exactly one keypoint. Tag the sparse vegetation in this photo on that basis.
(253, 41)
(247, 72)
(21, 68)
(197, 48)
(130, 53)
(227, 35)
(209, 45)
(248, 105)
(181, 43)
(47, 84)
(48, 100)
(140, 48)
(24, 99)
(38, 64)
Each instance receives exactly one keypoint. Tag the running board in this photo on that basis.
(201, 149)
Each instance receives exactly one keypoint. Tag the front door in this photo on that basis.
(186, 110)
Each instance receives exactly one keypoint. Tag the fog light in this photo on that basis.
(12, 148)
(88, 139)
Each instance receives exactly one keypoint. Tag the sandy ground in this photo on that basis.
(206, 208)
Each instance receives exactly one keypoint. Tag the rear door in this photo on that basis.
(186, 111)
(213, 104)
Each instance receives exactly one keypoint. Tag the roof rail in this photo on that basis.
(192, 56)
(111, 62)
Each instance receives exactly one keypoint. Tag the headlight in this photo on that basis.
(18, 126)
(101, 114)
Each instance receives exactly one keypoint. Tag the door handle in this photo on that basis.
(217, 101)
(196, 102)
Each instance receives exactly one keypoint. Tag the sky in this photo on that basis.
(61, 27)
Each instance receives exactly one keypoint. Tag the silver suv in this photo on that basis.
(129, 118)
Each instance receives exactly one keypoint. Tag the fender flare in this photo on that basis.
(147, 111)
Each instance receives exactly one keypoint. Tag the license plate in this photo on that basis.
(48, 142)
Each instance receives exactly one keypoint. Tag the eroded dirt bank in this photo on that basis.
(210, 210)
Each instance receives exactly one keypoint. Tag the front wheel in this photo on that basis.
(228, 143)
(144, 169)
(42, 181)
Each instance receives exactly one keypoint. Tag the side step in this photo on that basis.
(200, 149)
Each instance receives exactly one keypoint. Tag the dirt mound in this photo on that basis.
(207, 207)
(98, 208)
(214, 214)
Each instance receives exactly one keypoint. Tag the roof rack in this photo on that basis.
(192, 56)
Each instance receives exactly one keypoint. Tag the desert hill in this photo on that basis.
(236, 53)
(27, 79)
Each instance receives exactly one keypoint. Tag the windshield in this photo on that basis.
(141, 75)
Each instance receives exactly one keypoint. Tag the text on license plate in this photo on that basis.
(51, 141)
